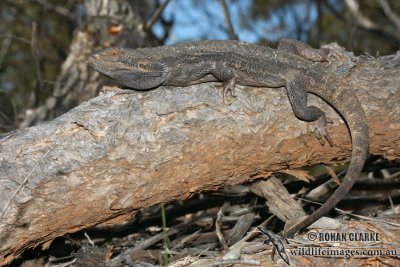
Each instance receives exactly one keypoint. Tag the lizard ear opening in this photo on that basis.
(159, 67)
(143, 66)
(151, 67)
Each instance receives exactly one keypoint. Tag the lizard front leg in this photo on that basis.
(227, 76)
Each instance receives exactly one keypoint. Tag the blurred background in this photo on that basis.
(44, 44)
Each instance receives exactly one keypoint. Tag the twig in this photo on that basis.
(173, 230)
(236, 249)
(4, 49)
(277, 244)
(356, 215)
(360, 18)
(89, 239)
(186, 239)
(394, 18)
(255, 231)
(218, 226)
(35, 55)
(15, 38)
(228, 21)
(156, 15)
(58, 9)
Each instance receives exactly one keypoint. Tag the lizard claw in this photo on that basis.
(226, 95)
(321, 132)
(228, 92)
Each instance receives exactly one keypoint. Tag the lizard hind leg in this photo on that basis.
(297, 95)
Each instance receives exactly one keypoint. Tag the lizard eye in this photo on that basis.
(143, 66)
(114, 52)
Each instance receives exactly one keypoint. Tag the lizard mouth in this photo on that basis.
(92, 61)
(105, 66)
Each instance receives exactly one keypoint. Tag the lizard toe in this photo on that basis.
(321, 132)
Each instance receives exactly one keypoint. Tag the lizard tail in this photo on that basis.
(349, 107)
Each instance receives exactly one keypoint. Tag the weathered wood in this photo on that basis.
(278, 199)
(119, 152)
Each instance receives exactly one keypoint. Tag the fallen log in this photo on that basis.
(122, 151)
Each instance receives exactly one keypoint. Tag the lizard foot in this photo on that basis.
(321, 132)
(228, 91)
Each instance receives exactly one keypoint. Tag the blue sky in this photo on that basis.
(205, 20)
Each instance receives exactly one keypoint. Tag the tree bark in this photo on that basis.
(125, 150)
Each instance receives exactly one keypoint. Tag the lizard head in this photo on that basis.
(135, 69)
